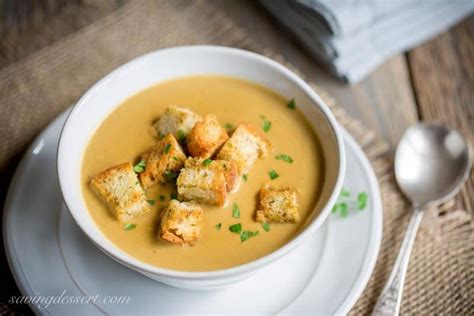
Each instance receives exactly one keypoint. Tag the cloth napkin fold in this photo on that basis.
(352, 37)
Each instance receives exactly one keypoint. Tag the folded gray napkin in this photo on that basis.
(353, 37)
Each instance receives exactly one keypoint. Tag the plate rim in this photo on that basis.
(350, 299)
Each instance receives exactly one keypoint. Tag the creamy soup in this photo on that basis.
(126, 133)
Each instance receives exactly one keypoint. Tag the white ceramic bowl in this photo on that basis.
(138, 74)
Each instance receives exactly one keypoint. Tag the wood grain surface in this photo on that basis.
(443, 81)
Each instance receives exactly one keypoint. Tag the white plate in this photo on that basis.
(48, 254)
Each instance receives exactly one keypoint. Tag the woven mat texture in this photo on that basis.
(36, 88)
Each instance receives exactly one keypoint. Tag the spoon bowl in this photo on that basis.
(431, 162)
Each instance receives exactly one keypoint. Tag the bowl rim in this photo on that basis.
(124, 258)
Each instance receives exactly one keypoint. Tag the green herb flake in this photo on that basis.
(170, 176)
(207, 162)
(236, 228)
(273, 174)
(175, 158)
(167, 148)
(173, 196)
(246, 234)
(343, 209)
(246, 177)
(218, 226)
(140, 167)
(229, 126)
(291, 104)
(129, 226)
(285, 158)
(181, 136)
(162, 198)
(235, 211)
(362, 200)
(161, 135)
(345, 193)
(266, 125)
(266, 227)
(151, 202)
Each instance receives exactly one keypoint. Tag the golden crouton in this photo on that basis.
(278, 206)
(177, 121)
(244, 147)
(200, 183)
(119, 188)
(206, 137)
(181, 223)
(228, 167)
(162, 162)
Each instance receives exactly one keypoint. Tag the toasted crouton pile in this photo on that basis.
(206, 137)
(181, 223)
(278, 206)
(177, 121)
(206, 165)
(164, 159)
(203, 184)
(119, 188)
(244, 147)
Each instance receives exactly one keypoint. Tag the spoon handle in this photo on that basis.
(391, 296)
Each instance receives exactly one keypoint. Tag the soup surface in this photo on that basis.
(126, 133)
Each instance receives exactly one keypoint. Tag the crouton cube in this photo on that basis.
(177, 121)
(244, 147)
(278, 206)
(229, 168)
(181, 223)
(206, 137)
(162, 162)
(200, 183)
(119, 188)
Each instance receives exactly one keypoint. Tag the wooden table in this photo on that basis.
(433, 82)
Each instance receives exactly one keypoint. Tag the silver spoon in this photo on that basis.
(431, 164)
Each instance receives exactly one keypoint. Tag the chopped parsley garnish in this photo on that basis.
(235, 211)
(162, 198)
(362, 200)
(285, 158)
(167, 148)
(344, 204)
(266, 227)
(173, 196)
(207, 162)
(151, 202)
(129, 226)
(273, 174)
(218, 226)
(175, 158)
(345, 193)
(236, 228)
(291, 104)
(181, 136)
(161, 135)
(266, 125)
(341, 208)
(170, 176)
(140, 167)
(229, 126)
(246, 234)
(246, 177)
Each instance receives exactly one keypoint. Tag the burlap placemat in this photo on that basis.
(33, 91)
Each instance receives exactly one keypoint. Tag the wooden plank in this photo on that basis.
(443, 79)
(384, 101)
